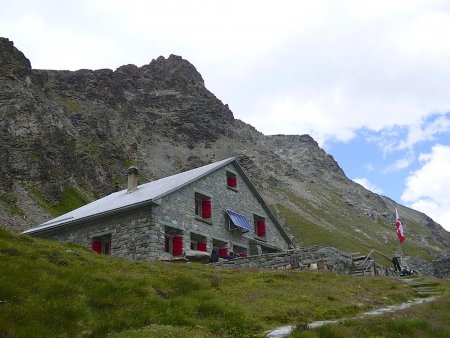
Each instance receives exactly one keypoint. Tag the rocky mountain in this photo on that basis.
(68, 137)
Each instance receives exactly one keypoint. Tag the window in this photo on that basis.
(198, 242)
(221, 247)
(201, 246)
(231, 180)
(223, 252)
(260, 226)
(101, 244)
(173, 241)
(203, 206)
(239, 251)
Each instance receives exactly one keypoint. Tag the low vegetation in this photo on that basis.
(424, 320)
(52, 289)
(69, 200)
(9, 201)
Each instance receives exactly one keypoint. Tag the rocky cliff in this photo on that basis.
(67, 137)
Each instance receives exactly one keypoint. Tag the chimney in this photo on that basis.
(132, 178)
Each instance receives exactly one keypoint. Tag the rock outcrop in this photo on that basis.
(441, 267)
(13, 63)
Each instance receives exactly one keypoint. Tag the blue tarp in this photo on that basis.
(240, 220)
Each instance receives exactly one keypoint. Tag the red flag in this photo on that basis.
(398, 225)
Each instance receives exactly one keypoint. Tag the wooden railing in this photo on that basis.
(387, 263)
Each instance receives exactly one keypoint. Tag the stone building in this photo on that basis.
(212, 207)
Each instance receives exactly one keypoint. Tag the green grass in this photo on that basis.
(309, 233)
(9, 200)
(70, 199)
(49, 289)
(424, 320)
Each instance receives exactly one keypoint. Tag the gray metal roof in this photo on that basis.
(122, 200)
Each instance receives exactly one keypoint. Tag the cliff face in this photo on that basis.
(67, 137)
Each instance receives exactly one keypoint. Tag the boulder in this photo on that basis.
(197, 256)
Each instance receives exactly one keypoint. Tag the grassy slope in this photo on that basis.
(334, 222)
(70, 199)
(48, 289)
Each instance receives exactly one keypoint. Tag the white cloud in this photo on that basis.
(427, 189)
(358, 70)
(368, 185)
(400, 138)
(426, 131)
(400, 164)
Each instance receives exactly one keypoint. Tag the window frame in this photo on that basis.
(169, 235)
(256, 219)
(199, 199)
(196, 239)
(240, 251)
(230, 174)
(105, 241)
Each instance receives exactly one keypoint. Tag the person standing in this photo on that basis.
(396, 263)
(214, 256)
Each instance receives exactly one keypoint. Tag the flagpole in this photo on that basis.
(400, 234)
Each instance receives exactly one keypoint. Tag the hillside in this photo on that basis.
(67, 137)
(51, 289)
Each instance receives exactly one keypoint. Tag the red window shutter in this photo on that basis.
(177, 245)
(223, 252)
(232, 181)
(261, 227)
(206, 209)
(201, 246)
(97, 246)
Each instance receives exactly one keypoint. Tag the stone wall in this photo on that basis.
(322, 258)
(177, 211)
(133, 234)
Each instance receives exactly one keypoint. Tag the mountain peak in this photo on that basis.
(175, 72)
(12, 61)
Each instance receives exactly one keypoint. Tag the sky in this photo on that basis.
(369, 80)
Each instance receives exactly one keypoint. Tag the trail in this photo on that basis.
(426, 291)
